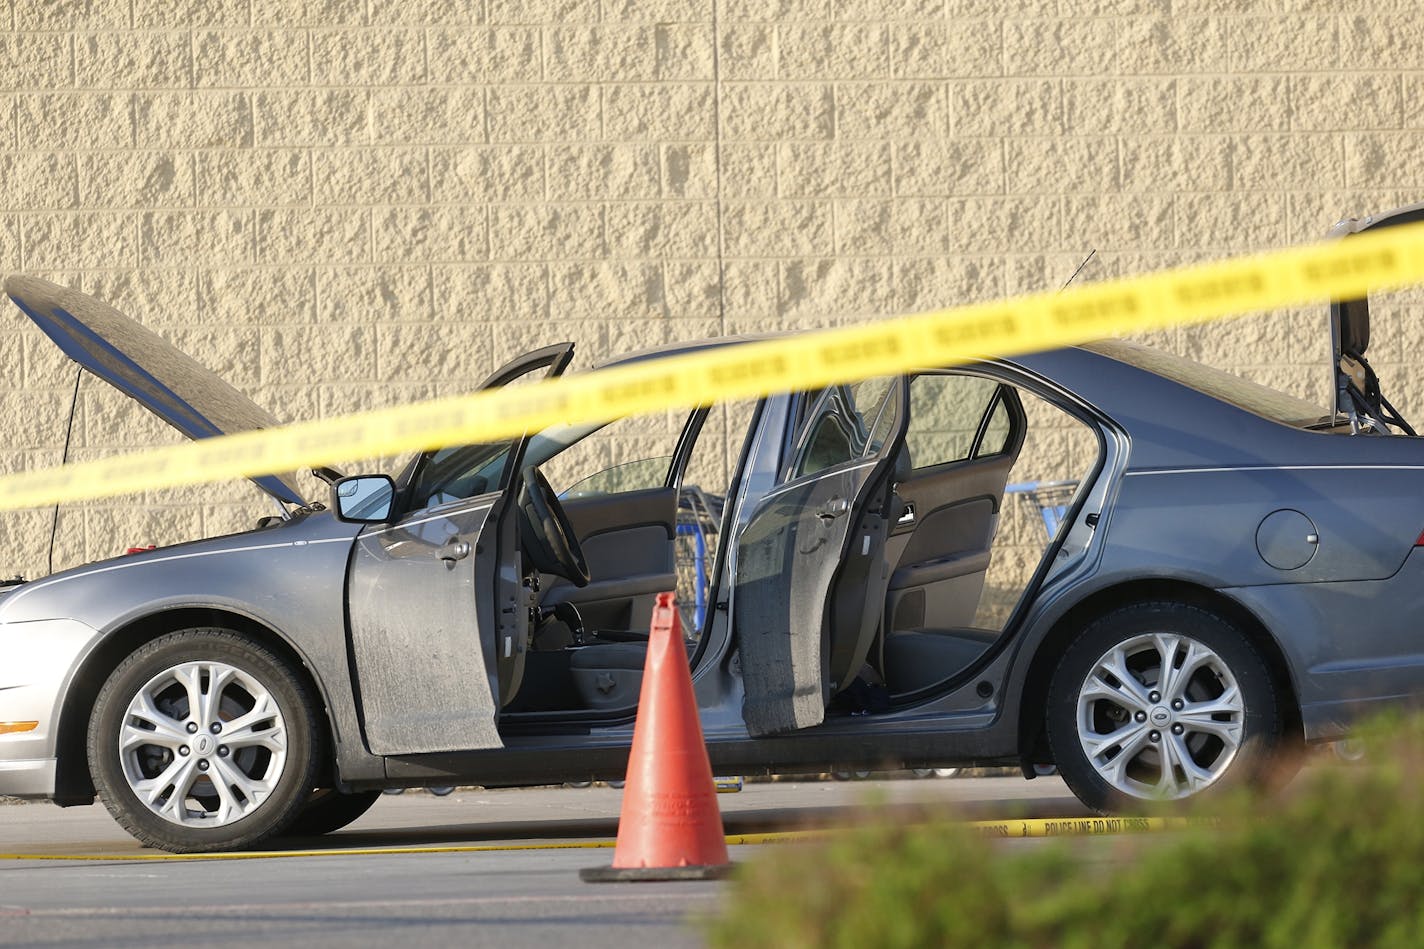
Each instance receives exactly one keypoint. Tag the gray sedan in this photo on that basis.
(1234, 572)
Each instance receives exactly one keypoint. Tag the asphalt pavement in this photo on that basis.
(73, 878)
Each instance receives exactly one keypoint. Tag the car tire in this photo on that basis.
(1125, 738)
(329, 810)
(147, 746)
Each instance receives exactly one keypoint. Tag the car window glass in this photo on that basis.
(1395, 315)
(996, 433)
(883, 426)
(630, 454)
(464, 471)
(830, 444)
(630, 476)
(869, 394)
(843, 425)
(945, 412)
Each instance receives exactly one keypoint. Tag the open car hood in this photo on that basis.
(145, 367)
(1356, 386)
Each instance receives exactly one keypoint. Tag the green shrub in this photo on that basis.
(1337, 860)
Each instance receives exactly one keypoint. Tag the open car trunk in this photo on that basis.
(1357, 387)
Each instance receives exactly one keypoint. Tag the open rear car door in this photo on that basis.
(811, 568)
(438, 624)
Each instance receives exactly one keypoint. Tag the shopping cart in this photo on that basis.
(699, 515)
(1048, 500)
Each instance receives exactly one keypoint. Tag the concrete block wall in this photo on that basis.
(347, 203)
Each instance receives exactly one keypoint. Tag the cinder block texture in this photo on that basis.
(349, 203)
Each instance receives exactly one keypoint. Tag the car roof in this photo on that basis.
(682, 347)
(1177, 412)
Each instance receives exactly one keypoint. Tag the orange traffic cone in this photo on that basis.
(670, 827)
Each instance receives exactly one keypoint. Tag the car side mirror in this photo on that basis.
(364, 499)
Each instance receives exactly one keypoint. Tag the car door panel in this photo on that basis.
(940, 546)
(785, 562)
(427, 681)
(944, 568)
(601, 513)
(627, 540)
(940, 559)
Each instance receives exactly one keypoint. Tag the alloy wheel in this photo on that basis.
(202, 744)
(1160, 716)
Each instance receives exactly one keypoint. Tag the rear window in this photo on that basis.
(1254, 398)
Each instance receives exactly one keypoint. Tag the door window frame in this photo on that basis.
(1004, 393)
(812, 410)
(554, 359)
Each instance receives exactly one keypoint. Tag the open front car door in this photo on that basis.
(438, 613)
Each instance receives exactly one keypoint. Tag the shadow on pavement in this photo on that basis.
(763, 820)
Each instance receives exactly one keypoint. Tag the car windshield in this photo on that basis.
(1232, 389)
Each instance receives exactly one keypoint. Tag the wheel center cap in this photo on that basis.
(1160, 715)
(203, 745)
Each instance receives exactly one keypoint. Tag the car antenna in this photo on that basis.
(64, 459)
(1079, 270)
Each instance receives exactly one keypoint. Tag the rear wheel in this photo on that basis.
(202, 740)
(1160, 702)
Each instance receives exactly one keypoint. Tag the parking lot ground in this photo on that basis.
(514, 899)
(112, 893)
(480, 816)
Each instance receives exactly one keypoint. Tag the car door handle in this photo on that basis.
(833, 508)
(457, 550)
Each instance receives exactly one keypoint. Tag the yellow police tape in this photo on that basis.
(1037, 827)
(1343, 269)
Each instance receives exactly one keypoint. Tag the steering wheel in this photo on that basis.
(549, 539)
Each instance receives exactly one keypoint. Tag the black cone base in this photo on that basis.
(653, 874)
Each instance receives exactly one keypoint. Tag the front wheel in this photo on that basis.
(1159, 702)
(202, 740)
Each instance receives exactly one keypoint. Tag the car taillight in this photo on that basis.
(139, 550)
